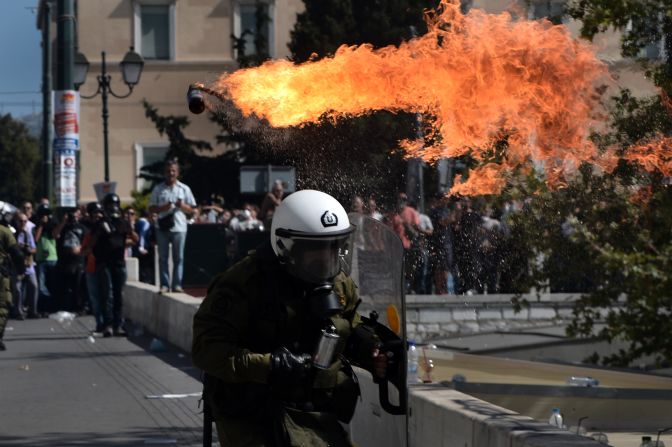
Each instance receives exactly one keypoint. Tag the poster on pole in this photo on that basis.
(66, 143)
(65, 176)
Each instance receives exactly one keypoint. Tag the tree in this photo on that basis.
(606, 236)
(642, 23)
(205, 174)
(325, 25)
(356, 155)
(19, 161)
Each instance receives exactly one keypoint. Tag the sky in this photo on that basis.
(20, 53)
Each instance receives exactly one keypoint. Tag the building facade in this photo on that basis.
(182, 42)
(186, 41)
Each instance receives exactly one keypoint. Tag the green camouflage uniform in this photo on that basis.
(7, 241)
(250, 310)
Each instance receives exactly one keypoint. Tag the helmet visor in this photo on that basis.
(317, 260)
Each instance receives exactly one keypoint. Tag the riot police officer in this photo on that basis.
(272, 334)
(10, 257)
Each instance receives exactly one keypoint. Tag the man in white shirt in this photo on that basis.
(172, 200)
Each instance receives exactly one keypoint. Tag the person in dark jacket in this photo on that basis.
(111, 237)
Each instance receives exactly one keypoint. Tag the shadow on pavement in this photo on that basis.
(135, 437)
(172, 355)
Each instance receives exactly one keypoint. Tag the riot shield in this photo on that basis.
(376, 266)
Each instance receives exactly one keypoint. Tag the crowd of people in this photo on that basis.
(456, 247)
(77, 263)
(74, 264)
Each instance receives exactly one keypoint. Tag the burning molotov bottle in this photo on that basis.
(195, 100)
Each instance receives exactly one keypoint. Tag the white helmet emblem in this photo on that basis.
(329, 219)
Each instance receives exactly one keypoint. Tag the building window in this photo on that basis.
(654, 50)
(252, 19)
(154, 29)
(146, 155)
(554, 11)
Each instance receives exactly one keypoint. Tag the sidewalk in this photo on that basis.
(58, 388)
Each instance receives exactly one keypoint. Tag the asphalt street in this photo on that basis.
(60, 387)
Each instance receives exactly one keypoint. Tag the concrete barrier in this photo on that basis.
(168, 316)
(439, 416)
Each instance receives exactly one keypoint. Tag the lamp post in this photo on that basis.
(131, 68)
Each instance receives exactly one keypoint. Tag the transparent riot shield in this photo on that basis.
(377, 268)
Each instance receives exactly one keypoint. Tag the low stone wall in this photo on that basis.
(169, 316)
(439, 416)
(435, 316)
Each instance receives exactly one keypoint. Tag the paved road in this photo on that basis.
(58, 388)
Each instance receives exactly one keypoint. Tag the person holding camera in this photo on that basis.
(46, 255)
(25, 286)
(111, 236)
(69, 235)
(172, 200)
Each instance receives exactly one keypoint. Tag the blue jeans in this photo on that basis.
(44, 269)
(93, 286)
(45, 283)
(26, 293)
(111, 279)
(177, 238)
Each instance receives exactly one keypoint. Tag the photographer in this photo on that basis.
(46, 255)
(69, 235)
(112, 235)
(25, 286)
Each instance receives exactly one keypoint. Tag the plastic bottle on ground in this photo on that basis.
(413, 355)
(556, 418)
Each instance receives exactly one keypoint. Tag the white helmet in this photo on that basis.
(310, 233)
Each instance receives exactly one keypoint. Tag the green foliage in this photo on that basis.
(347, 156)
(140, 200)
(356, 155)
(325, 25)
(642, 23)
(19, 162)
(205, 174)
(608, 236)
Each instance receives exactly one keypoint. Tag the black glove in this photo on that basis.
(288, 368)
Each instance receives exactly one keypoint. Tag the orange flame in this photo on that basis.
(471, 75)
(655, 156)
(481, 178)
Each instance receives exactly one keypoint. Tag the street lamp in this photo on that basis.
(131, 68)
